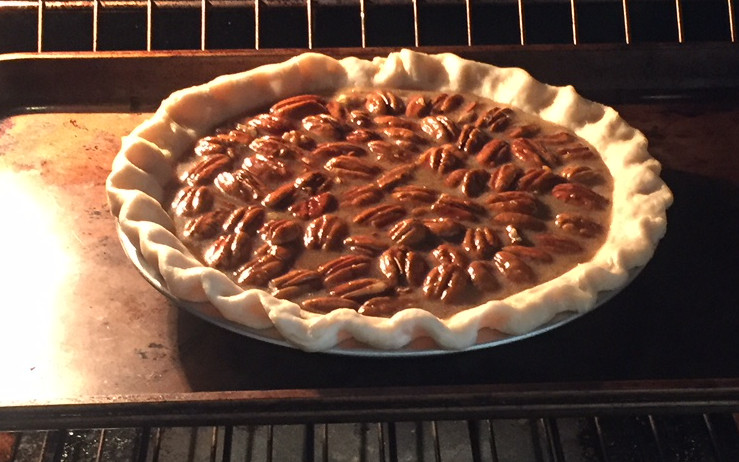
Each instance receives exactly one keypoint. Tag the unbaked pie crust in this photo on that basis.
(138, 195)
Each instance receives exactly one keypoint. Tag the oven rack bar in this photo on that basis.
(464, 22)
(658, 438)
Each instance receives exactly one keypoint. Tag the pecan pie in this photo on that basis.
(410, 196)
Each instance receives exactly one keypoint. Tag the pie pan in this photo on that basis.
(144, 167)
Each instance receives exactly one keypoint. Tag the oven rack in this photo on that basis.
(654, 438)
(100, 25)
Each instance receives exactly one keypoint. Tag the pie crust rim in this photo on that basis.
(145, 164)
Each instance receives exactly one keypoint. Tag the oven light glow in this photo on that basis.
(36, 267)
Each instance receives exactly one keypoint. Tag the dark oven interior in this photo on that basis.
(651, 376)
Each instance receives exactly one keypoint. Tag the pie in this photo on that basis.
(411, 196)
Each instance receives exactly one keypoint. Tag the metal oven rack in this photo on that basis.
(643, 420)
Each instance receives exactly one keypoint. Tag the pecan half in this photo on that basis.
(447, 282)
(394, 121)
(504, 177)
(325, 232)
(512, 201)
(442, 159)
(538, 180)
(480, 243)
(400, 133)
(381, 215)
(411, 232)
(192, 200)
(345, 167)
(582, 174)
(579, 195)
(314, 206)
(336, 149)
(514, 268)
(445, 228)
(328, 304)
(361, 135)
(471, 139)
(494, 152)
(232, 143)
(228, 250)
(385, 306)
(533, 254)
(519, 220)
(494, 119)
(344, 268)
(576, 153)
(261, 166)
(386, 151)
(440, 128)
(382, 102)
(295, 283)
(261, 270)
(312, 182)
(472, 182)
(324, 126)
(362, 195)
(361, 289)
(244, 219)
(482, 276)
(205, 226)
(206, 169)
(271, 146)
(446, 253)
(241, 184)
(413, 193)
(298, 107)
(417, 106)
(366, 244)
(280, 231)
(457, 208)
(523, 131)
(443, 103)
(270, 124)
(578, 225)
(402, 266)
(558, 244)
(280, 197)
(527, 152)
(395, 176)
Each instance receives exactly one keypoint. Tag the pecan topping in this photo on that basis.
(345, 268)
(524, 131)
(519, 220)
(472, 182)
(361, 135)
(270, 146)
(280, 197)
(233, 144)
(513, 268)
(262, 269)
(360, 289)
(480, 243)
(336, 149)
(328, 304)
(446, 282)
(402, 266)
(384, 306)
(411, 232)
(527, 152)
(380, 216)
(532, 254)
(576, 153)
(395, 121)
(579, 195)
(446, 103)
(312, 182)
(538, 180)
(260, 166)
(400, 133)
(279, 231)
(446, 253)
(244, 219)
(192, 200)
(578, 225)
(386, 151)
(269, 124)
(325, 232)
(228, 250)
(395, 176)
(440, 128)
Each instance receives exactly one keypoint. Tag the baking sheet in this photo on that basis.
(86, 326)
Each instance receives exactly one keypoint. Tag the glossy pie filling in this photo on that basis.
(381, 200)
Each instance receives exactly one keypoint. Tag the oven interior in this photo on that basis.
(659, 60)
